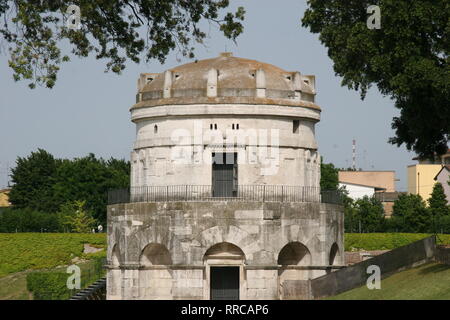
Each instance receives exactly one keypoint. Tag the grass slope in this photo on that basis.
(386, 241)
(25, 251)
(427, 282)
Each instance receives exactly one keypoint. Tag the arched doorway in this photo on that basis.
(155, 276)
(224, 272)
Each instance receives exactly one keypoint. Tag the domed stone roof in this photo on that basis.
(226, 79)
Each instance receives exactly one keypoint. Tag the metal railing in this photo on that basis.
(262, 193)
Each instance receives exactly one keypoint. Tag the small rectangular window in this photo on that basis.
(295, 126)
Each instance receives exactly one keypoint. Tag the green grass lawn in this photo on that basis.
(386, 241)
(32, 251)
(427, 282)
(14, 287)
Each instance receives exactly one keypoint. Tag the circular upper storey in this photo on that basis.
(226, 80)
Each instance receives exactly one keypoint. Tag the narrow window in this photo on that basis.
(232, 126)
(215, 126)
(295, 126)
(155, 129)
(210, 126)
(237, 126)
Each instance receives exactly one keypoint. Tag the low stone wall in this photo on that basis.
(359, 256)
(356, 275)
(442, 255)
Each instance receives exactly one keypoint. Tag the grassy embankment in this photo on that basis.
(21, 253)
(427, 282)
(386, 241)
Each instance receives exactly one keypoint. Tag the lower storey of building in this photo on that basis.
(221, 281)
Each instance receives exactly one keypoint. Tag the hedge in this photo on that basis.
(48, 285)
(52, 285)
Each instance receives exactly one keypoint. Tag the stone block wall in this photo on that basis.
(164, 250)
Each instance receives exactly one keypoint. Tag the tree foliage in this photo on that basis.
(33, 179)
(43, 183)
(369, 214)
(438, 206)
(89, 179)
(115, 30)
(407, 59)
(329, 179)
(410, 214)
(77, 218)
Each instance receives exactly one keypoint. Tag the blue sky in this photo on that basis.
(88, 110)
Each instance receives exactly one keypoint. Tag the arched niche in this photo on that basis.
(224, 251)
(294, 253)
(293, 259)
(155, 254)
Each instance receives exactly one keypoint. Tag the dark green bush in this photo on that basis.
(28, 220)
(52, 285)
(48, 285)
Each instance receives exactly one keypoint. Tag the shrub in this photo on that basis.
(48, 285)
(28, 220)
(52, 285)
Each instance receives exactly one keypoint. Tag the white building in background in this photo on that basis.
(358, 191)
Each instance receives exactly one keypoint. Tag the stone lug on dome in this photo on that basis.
(260, 83)
(297, 82)
(167, 84)
(212, 83)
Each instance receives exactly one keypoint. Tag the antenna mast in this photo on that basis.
(354, 154)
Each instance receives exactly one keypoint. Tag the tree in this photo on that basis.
(407, 59)
(369, 213)
(115, 30)
(44, 183)
(351, 221)
(76, 218)
(438, 206)
(410, 214)
(328, 176)
(33, 178)
(89, 179)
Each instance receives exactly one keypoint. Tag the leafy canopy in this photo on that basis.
(43, 183)
(410, 214)
(407, 59)
(438, 203)
(329, 179)
(115, 30)
(77, 218)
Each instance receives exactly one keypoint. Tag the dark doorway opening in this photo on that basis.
(224, 175)
(224, 283)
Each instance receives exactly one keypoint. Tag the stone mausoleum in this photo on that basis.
(225, 201)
